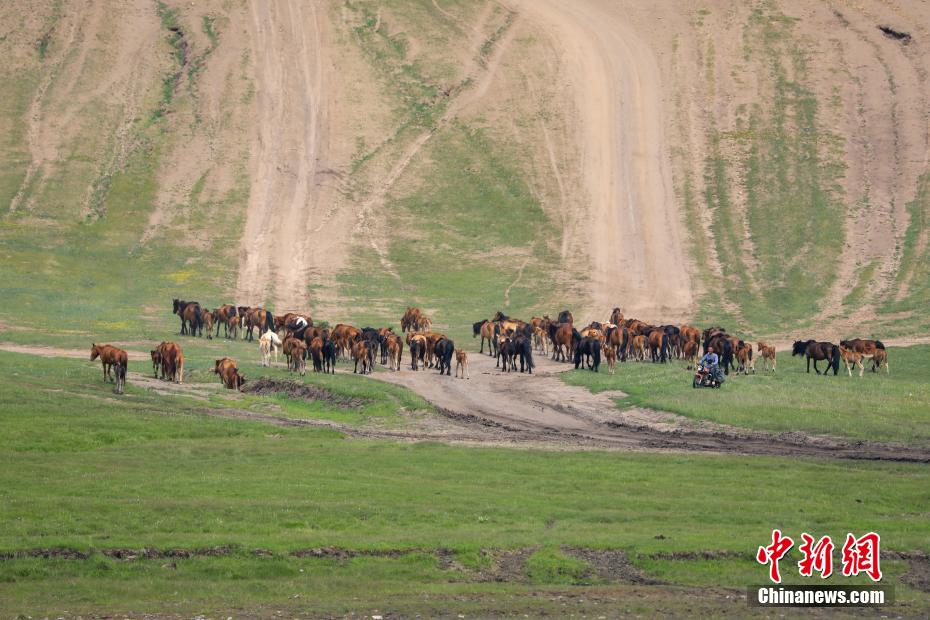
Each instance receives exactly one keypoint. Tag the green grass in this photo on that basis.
(90, 471)
(892, 407)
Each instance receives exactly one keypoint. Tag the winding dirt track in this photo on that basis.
(625, 163)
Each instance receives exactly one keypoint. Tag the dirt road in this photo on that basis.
(636, 226)
(546, 409)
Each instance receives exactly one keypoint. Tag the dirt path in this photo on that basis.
(289, 146)
(494, 408)
(544, 406)
(635, 225)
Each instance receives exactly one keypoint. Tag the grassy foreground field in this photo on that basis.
(414, 528)
(884, 407)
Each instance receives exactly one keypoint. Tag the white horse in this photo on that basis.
(269, 343)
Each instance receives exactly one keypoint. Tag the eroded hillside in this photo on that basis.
(762, 165)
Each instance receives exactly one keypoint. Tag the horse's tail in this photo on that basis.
(528, 351)
(269, 320)
(664, 352)
(597, 354)
(198, 319)
(835, 362)
(879, 344)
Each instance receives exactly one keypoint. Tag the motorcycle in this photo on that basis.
(704, 378)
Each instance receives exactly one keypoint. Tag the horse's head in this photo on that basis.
(94, 351)
(844, 344)
(799, 347)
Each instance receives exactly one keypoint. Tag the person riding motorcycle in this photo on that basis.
(711, 362)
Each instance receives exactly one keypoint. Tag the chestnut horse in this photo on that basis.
(109, 356)
(190, 315)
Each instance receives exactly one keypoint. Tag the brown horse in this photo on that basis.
(461, 363)
(767, 352)
(298, 359)
(616, 316)
(232, 326)
(743, 354)
(190, 315)
(172, 361)
(109, 356)
(316, 353)
(690, 351)
(344, 336)
(156, 360)
(880, 358)
(411, 319)
(229, 375)
(221, 315)
(362, 352)
(813, 350)
(395, 351)
(417, 345)
(563, 341)
(208, 318)
(868, 348)
(851, 358)
(638, 348)
(258, 318)
(610, 354)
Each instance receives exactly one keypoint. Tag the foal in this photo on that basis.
(461, 362)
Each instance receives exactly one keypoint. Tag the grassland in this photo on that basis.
(886, 407)
(94, 474)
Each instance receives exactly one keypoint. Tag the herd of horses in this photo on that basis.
(511, 341)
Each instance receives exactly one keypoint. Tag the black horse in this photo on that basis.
(590, 349)
(523, 347)
(444, 350)
(813, 350)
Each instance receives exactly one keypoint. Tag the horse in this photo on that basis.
(616, 316)
(344, 336)
(505, 352)
(190, 315)
(851, 358)
(638, 348)
(590, 349)
(563, 341)
(817, 351)
(565, 316)
(767, 352)
(610, 355)
(290, 344)
(221, 315)
(316, 353)
(329, 356)
(172, 362)
(394, 347)
(156, 360)
(298, 362)
(229, 374)
(690, 351)
(109, 355)
(868, 348)
(119, 369)
(409, 320)
(232, 326)
(461, 363)
(487, 333)
(879, 358)
(269, 343)
(657, 340)
(417, 345)
(260, 318)
(744, 358)
(723, 346)
(444, 349)
(523, 347)
(208, 318)
(618, 338)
